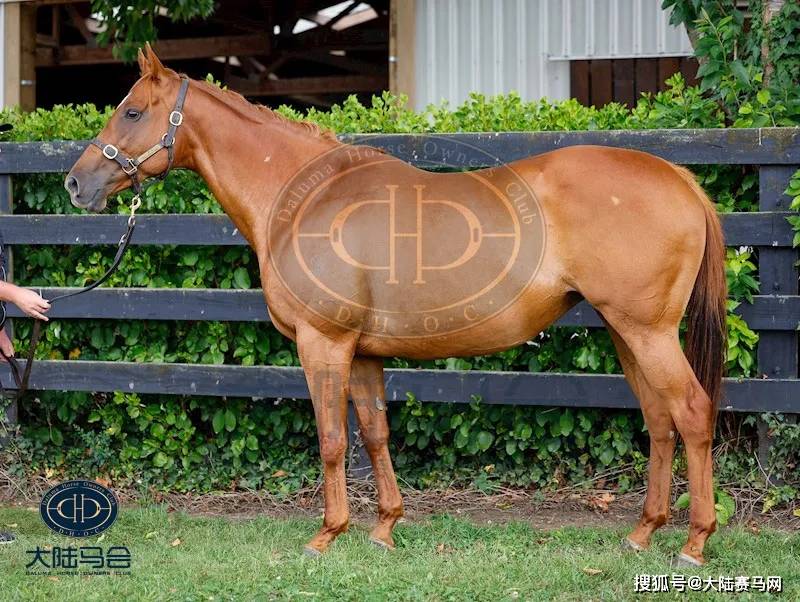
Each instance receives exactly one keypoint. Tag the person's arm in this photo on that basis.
(27, 300)
(6, 346)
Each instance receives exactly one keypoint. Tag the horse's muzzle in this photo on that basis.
(90, 198)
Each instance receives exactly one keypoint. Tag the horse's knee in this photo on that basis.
(332, 447)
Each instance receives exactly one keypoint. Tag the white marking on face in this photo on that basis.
(615, 200)
(267, 158)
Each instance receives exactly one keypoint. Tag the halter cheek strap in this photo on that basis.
(131, 165)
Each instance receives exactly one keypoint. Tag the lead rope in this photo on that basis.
(131, 167)
(22, 376)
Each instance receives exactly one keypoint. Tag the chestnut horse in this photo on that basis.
(364, 257)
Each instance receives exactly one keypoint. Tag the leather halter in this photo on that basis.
(131, 168)
(130, 165)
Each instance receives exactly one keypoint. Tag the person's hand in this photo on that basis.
(6, 346)
(31, 303)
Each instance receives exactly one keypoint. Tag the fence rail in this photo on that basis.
(775, 313)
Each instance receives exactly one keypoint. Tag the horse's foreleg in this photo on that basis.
(327, 368)
(369, 399)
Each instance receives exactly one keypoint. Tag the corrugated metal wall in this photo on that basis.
(496, 46)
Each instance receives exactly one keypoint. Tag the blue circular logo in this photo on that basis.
(79, 508)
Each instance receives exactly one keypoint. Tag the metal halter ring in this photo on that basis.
(164, 142)
(176, 121)
(106, 152)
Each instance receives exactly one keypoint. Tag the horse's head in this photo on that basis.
(138, 123)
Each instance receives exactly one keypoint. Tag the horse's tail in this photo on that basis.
(706, 334)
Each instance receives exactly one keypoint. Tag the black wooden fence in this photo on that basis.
(775, 313)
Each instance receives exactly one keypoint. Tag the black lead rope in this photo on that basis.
(131, 168)
(22, 376)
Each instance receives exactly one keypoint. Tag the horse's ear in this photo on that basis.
(144, 64)
(154, 66)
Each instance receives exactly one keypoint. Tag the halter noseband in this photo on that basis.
(130, 165)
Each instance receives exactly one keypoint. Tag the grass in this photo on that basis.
(442, 558)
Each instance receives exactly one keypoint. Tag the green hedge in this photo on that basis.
(197, 443)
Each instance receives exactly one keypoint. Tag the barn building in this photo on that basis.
(316, 52)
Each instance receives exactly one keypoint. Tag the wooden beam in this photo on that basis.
(27, 99)
(449, 386)
(58, 2)
(308, 85)
(763, 229)
(11, 54)
(769, 314)
(402, 28)
(345, 62)
(737, 146)
(187, 48)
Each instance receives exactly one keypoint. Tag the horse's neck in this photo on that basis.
(245, 164)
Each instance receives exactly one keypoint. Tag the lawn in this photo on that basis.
(181, 557)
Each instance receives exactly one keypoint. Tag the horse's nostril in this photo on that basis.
(72, 186)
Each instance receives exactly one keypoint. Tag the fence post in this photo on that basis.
(358, 464)
(9, 413)
(777, 351)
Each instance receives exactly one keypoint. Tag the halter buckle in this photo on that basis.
(164, 142)
(132, 169)
(176, 121)
(107, 154)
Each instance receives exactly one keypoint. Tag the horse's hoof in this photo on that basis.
(685, 561)
(380, 543)
(629, 545)
(311, 552)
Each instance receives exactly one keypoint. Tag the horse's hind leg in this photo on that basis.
(676, 391)
(369, 400)
(661, 428)
(326, 363)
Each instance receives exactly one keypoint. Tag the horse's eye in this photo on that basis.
(132, 114)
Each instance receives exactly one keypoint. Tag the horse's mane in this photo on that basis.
(261, 114)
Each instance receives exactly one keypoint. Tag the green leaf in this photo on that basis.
(485, 440)
(682, 503)
(160, 459)
(763, 97)
(511, 447)
(241, 278)
(230, 420)
(740, 72)
(722, 514)
(218, 421)
(567, 422)
(726, 501)
(56, 437)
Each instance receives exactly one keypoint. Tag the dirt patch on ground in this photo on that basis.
(551, 510)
